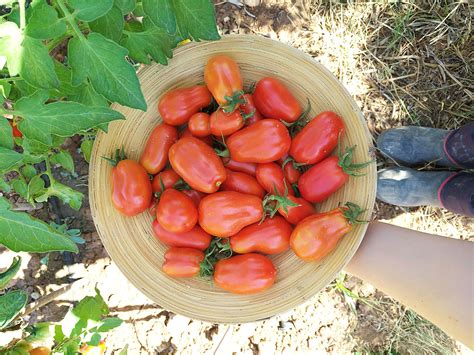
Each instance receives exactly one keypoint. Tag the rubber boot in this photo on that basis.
(410, 188)
(414, 145)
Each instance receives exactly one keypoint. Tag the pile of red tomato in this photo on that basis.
(232, 177)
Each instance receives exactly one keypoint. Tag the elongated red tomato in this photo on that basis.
(222, 77)
(318, 138)
(197, 164)
(270, 176)
(15, 131)
(294, 214)
(245, 274)
(194, 195)
(247, 168)
(178, 105)
(292, 174)
(224, 124)
(131, 188)
(243, 183)
(316, 236)
(263, 142)
(273, 99)
(187, 133)
(176, 212)
(272, 236)
(155, 154)
(225, 213)
(183, 262)
(249, 108)
(199, 125)
(196, 238)
(167, 178)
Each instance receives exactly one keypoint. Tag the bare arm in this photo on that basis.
(432, 275)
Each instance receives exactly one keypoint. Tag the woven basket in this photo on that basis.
(130, 241)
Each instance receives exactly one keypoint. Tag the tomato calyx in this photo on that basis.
(119, 155)
(224, 153)
(293, 162)
(219, 249)
(248, 115)
(295, 127)
(233, 101)
(272, 203)
(346, 164)
(351, 212)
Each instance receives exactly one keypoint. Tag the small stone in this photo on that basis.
(251, 3)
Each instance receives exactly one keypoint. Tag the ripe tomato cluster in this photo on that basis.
(235, 175)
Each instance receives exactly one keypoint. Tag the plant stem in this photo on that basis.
(70, 18)
(22, 14)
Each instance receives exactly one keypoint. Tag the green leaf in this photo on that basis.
(6, 133)
(161, 13)
(103, 61)
(27, 56)
(58, 333)
(9, 274)
(91, 308)
(196, 18)
(62, 118)
(66, 194)
(110, 25)
(39, 332)
(86, 148)
(20, 187)
(88, 96)
(95, 339)
(4, 187)
(11, 305)
(65, 82)
(9, 159)
(108, 324)
(43, 21)
(35, 188)
(5, 88)
(63, 158)
(21, 232)
(124, 351)
(89, 10)
(28, 171)
(153, 42)
(125, 6)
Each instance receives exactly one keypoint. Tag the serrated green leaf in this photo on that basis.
(64, 159)
(35, 188)
(65, 193)
(6, 133)
(161, 14)
(11, 305)
(65, 82)
(154, 42)
(5, 88)
(9, 274)
(21, 232)
(20, 187)
(196, 18)
(95, 339)
(108, 324)
(89, 10)
(110, 25)
(86, 148)
(125, 6)
(58, 333)
(63, 118)
(43, 21)
(91, 308)
(27, 56)
(4, 187)
(9, 159)
(103, 61)
(138, 11)
(88, 96)
(28, 171)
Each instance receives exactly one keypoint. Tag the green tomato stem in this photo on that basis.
(70, 18)
(22, 14)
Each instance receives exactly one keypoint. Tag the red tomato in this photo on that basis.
(263, 142)
(178, 105)
(155, 154)
(196, 238)
(225, 213)
(131, 188)
(270, 176)
(243, 183)
(317, 139)
(245, 274)
(249, 108)
(176, 212)
(222, 77)
(247, 168)
(187, 133)
(15, 131)
(272, 236)
(224, 124)
(292, 174)
(168, 178)
(317, 235)
(199, 125)
(273, 99)
(197, 164)
(183, 262)
(295, 214)
(194, 195)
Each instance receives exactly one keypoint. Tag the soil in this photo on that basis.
(330, 322)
